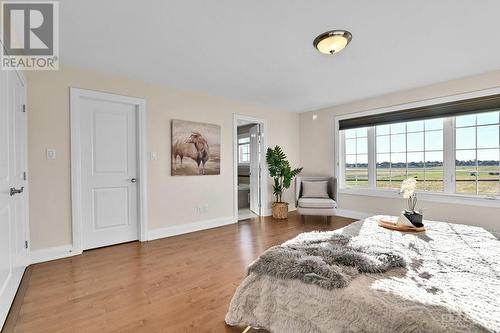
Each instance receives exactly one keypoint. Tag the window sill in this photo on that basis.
(458, 199)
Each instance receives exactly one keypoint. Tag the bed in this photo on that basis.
(451, 283)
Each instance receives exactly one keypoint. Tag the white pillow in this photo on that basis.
(315, 189)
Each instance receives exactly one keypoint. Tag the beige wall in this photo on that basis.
(172, 200)
(317, 150)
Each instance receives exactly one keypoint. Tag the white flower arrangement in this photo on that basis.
(408, 188)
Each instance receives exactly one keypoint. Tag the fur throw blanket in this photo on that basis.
(326, 260)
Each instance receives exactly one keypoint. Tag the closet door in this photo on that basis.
(14, 255)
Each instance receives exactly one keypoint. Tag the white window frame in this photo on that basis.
(448, 195)
(243, 136)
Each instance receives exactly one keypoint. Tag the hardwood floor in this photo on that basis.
(176, 284)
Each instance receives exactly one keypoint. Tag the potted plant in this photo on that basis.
(413, 216)
(282, 174)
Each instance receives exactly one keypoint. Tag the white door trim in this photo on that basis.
(264, 173)
(76, 175)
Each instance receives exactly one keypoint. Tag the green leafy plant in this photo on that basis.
(280, 171)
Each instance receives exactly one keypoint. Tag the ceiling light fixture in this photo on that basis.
(333, 41)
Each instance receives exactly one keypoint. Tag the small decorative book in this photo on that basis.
(400, 223)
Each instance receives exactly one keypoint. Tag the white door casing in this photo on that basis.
(255, 160)
(265, 208)
(14, 233)
(108, 169)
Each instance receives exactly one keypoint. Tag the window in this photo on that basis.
(356, 157)
(477, 165)
(244, 150)
(453, 155)
(412, 149)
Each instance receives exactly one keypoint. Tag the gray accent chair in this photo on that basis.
(316, 206)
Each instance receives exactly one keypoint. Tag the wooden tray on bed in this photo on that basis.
(388, 224)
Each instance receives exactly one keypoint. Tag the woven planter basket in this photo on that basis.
(280, 210)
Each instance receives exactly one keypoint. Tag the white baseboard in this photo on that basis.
(247, 216)
(51, 253)
(353, 214)
(191, 227)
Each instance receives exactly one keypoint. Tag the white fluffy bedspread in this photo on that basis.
(451, 284)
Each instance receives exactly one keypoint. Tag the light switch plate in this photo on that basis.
(154, 156)
(51, 154)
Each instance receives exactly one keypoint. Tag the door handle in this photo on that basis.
(133, 180)
(14, 191)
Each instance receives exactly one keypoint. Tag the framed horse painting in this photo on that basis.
(195, 148)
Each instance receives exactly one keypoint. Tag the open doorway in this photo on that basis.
(249, 158)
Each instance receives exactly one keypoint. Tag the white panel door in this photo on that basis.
(109, 164)
(14, 256)
(255, 169)
(20, 167)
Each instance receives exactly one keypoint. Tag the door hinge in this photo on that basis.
(24, 107)
(26, 244)
(24, 175)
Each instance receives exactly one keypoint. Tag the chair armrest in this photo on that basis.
(334, 189)
(298, 185)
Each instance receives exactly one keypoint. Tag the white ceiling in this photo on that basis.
(260, 51)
